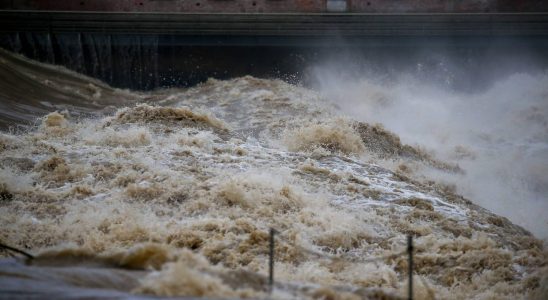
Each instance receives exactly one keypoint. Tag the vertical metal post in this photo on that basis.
(271, 262)
(410, 252)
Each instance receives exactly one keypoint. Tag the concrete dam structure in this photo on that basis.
(149, 44)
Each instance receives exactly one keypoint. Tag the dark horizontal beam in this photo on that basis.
(310, 25)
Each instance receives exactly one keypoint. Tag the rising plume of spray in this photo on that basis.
(498, 134)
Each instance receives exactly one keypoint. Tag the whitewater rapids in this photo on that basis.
(173, 193)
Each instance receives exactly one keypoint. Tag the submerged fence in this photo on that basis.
(408, 251)
(273, 233)
(18, 251)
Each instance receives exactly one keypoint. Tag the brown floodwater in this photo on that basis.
(123, 194)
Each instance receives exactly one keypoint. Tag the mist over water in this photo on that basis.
(497, 133)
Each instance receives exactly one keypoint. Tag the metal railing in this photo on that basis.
(273, 233)
(409, 251)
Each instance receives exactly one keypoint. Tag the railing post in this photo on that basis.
(271, 261)
(410, 252)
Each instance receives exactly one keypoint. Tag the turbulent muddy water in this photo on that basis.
(173, 193)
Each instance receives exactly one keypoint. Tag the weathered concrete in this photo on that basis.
(280, 6)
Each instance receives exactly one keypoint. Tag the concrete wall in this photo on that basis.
(447, 6)
(205, 6)
(274, 6)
